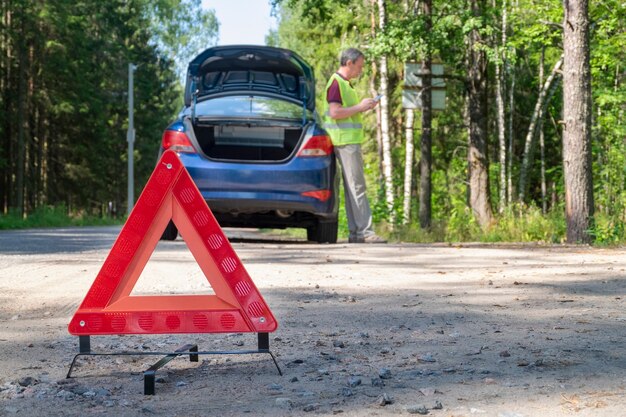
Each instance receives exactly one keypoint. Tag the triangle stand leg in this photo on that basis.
(264, 347)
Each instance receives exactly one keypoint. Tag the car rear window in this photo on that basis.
(249, 106)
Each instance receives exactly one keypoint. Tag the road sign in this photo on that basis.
(413, 75)
(108, 307)
(412, 99)
(412, 91)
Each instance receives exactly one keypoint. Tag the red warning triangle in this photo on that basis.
(108, 307)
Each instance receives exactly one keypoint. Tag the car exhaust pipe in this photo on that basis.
(284, 214)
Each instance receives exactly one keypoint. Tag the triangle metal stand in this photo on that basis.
(149, 375)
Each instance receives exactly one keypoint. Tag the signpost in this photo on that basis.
(412, 92)
(130, 138)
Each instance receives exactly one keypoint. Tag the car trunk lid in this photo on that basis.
(249, 69)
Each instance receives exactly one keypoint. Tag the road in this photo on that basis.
(57, 240)
(364, 330)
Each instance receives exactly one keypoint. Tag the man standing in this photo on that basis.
(344, 124)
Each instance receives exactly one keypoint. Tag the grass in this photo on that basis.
(516, 224)
(527, 224)
(47, 216)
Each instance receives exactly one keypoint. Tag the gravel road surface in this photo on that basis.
(364, 330)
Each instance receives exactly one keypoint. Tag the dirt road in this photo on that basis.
(364, 330)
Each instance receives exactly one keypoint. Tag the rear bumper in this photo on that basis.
(272, 219)
(260, 190)
(250, 203)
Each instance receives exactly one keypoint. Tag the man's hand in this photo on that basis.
(336, 111)
(367, 104)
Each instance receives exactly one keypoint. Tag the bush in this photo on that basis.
(527, 224)
(608, 230)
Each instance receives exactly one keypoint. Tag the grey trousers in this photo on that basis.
(357, 205)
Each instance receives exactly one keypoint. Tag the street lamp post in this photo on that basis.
(130, 138)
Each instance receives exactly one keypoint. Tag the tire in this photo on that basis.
(170, 232)
(323, 232)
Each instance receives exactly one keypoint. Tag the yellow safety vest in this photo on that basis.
(346, 131)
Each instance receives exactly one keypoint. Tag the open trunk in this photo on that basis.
(246, 141)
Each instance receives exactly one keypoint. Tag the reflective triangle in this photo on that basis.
(108, 307)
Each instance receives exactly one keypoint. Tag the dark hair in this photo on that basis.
(350, 54)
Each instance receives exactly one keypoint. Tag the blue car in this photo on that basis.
(251, 140)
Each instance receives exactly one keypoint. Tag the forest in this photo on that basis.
(64, 96)
(529, 145)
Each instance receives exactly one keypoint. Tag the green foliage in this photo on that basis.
(320, 28)
(527, 224)
(608, 230)
(49, 216)
(411, 233)
(516, 224)
(609, 130)
(320, 41)
(461, 225)
(75, 111)
(182, 29)
(73, 56)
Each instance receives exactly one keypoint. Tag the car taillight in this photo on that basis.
(317, 146)
(321, 195)
(177, 141)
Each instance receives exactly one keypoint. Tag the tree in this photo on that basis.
(62, 85)
(577, 166)
(478, 163)
(384, 120)
(544, 97)
(179, 41)
(408, 166)
(463, 38)
(425, 192)
(501, 111)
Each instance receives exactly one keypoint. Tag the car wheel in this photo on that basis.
(323, 232)
(170, 232)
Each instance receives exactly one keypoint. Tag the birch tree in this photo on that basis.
(409, 149)
(374, 90)
(384, 121)
(532, 128)
(500, 59)
(542, 144)
(408, 166)
(509, 162)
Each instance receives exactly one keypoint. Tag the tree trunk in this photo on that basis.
(374, 93)
(5, 117)
(509, 177)
(542, 145)
(408, 166)
(409, 146)
(501, 111)
(577, 118)
(478, 164)
(501, 139)
(537, 115)
(384, 121)
(425, 192)
(21, 109)
(426, 146)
